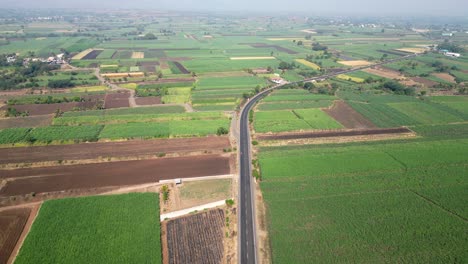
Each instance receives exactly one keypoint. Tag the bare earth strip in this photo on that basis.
(386, 73)
(355, 63)
(337, 133)
(138, 55)
(445, 76)
(253, 58)
(111, 149)
(27, 121)
(123, 173)
(347, 116)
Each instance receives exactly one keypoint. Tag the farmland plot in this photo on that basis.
(383, 203)
(12, 222)
(197, 238)
(68, 231)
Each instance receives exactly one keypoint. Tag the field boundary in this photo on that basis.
(438, 205)
(192, 209)
(335, 133)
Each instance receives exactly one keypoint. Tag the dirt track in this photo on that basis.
(111, 149)
(347, 116)
(338, 133)
(60, 178)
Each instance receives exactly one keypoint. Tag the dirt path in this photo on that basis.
(189, 108)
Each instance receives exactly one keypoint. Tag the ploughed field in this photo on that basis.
(12, 222)
(123, 173)
(99, 229)
(134, 148)
(196, 239)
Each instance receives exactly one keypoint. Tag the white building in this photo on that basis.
(452, 54)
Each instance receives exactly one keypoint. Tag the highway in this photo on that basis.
(247, 232)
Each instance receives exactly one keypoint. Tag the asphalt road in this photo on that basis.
(247, 232)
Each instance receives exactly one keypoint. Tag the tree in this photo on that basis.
(222, 131)
(300, 43)
(149, 36)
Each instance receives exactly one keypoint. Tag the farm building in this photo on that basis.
(452, 54)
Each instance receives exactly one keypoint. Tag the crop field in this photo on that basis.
(68, 231)
(425, 113)
(197, 238)
(308, 64)
(133, 117)
(223, 93)
(459, 103)
(394, 110)
(294, 105)
(350, 78)
(405, 205)
(295, 120)
(125, 123)
(186, 128)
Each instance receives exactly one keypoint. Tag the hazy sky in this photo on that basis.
(394, 7)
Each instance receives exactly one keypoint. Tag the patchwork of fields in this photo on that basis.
(349, 168)
(125, 123)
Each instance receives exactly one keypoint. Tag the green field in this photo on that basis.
(367, 203)
(100, 229)
(187, 128)
(303, 119)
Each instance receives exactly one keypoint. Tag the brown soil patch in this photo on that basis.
(355, 63)
(385, 72)
(410, 82)
(424, 82)
(124, 173)
(150, 100)
(338, 140)
(117, 100)
(169, 80)
(112, 149)
(47, 109)
(445, 76)
(28, 121)
(328, 134)
(12, 223)
(347, 116)
(263, 241)
(194, 193)
(196, 239)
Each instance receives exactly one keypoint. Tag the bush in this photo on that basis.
(229, 202)
(222, 131)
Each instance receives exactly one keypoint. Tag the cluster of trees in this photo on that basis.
(398, 88)
(149, 36)
(287, 66)
(446, 45)
(318, 47)
(63, 83)
(23, 77)
(50, 100)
